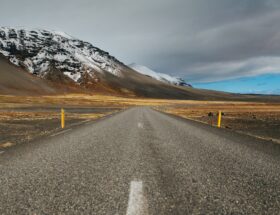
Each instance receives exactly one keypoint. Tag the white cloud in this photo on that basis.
(237, 69)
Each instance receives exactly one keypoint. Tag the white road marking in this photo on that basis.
(79, 123)
(89, 122)
(137, 204)
(53, 135)
(1, 152)
(140, 125)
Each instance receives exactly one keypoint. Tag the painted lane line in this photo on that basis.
(137, 204)
(79, 123)
(53, 135)
(1, 152)
(140, 125)
(74, 124)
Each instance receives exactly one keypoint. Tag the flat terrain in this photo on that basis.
(257, 119)
(141, 160)
(23, 118)
(21, 125)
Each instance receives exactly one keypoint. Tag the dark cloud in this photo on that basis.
(201, 40)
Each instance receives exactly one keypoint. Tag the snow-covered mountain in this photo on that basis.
(159, 76)
(40, 50)
(67, 64)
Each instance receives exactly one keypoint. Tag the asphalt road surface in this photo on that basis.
(141, 161)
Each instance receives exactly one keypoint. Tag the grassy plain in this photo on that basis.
(261, 120)
(23, 118)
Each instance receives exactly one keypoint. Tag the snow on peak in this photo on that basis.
(37, 50)
(63, 34)
(158, 76)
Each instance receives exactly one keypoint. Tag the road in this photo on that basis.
(141, 161)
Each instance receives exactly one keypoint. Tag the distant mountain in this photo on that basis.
(159, 76)
(51, 62)
(62, 59)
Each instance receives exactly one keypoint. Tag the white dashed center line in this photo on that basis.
(137, 204)
(140, 125)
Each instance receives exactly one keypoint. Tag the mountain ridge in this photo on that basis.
(59, 57)
(159, 76)
(38, 49)
(66, 64)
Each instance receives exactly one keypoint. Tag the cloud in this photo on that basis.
(200, 40)
(229, 70)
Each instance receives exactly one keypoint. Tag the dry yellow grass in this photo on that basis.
(17, 127)
(28, 115)
(256, 119)
(246, 116)
(86, 100)
(202, 109)
(17, 116)
(6, 145)
(72, 100)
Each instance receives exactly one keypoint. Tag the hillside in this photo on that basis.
(63, 59)
(159, 76)
(50, 62)
(16, 81)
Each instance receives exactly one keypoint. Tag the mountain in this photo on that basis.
(50, 62)
(159, 76)
(63, 60)
(16, 81)
(39, 50)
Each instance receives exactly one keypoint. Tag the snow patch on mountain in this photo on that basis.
(158, 76)
(37, 50)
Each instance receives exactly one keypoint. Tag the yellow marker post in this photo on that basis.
(219, 119)
(62, 118)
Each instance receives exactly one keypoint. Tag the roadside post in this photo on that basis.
(219, 119)
(62, 118)
(210, 116)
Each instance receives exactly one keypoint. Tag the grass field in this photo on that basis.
(23, 118)
(261, 120)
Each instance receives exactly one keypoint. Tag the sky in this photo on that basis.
(206, 42)
(262, 84)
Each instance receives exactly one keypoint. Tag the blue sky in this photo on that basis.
(264, 84)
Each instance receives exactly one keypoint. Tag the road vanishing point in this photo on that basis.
(141, 161)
